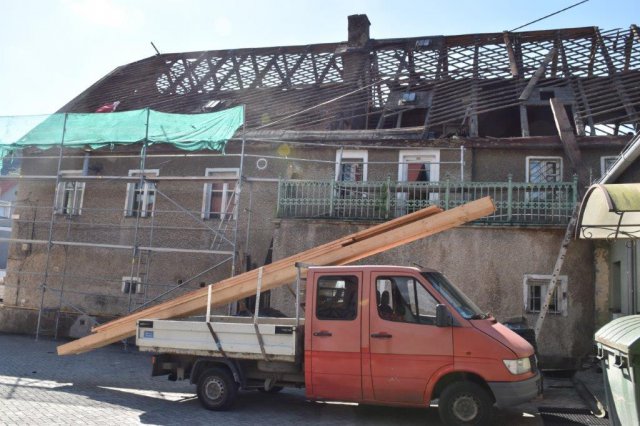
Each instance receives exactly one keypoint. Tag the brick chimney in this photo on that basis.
(358, 30)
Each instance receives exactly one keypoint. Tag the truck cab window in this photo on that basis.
(403, 299)
(337, 298)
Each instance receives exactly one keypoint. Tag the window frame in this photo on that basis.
(60, 206)
(337, 277)
(403, 169)
(603, 163)
(131, 280)
(353, 154)
(561, 293)
(207, 190)
(147, 189)
(417, 282)
(544, 157)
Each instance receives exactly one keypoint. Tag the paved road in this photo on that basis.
(111, 386)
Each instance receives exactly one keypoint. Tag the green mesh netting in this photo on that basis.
(190, 132)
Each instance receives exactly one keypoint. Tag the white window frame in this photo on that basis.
(603, 163)
(403, 174)
(403, 169)
(148, 190)
(561, 293)
(226, 174)
(71, 206)
(549, 158)
(137, 289)
(352, 154)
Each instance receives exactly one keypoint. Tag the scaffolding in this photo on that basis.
(143, 191)
(86, 234)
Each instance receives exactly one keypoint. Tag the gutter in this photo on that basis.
(625, 159)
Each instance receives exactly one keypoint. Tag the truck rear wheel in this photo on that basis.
(216, 389)
(465, 403)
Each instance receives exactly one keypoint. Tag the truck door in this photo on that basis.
(336, 365)
(406, 346)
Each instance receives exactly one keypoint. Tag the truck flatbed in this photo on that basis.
(273, 339)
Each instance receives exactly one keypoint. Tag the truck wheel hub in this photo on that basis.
(214, 388)
(465, 408)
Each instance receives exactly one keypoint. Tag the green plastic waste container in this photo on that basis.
(619, 351)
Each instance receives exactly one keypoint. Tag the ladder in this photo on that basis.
(568, 236)
(228, 215)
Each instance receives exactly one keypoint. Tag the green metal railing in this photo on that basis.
(517, 203)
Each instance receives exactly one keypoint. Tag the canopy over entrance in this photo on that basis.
(610, 212)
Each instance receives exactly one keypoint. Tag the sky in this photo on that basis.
(52, 50)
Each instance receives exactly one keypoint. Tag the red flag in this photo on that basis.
(109, 107)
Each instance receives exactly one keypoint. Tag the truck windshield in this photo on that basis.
(454, 296)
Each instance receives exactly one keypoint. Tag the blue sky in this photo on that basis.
(52, 50)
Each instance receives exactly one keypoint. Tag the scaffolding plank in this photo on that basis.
(284, 271)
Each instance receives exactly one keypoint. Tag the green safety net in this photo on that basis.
(190, 132)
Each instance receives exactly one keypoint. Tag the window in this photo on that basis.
(351, 165)
(403, 299)
(131, 285)
(544, 169)
(141, 198)
(219, 197)
(606, 163)
(415, 167)
(419, 166)
(69, 194)
(337, 298)
(535, 290)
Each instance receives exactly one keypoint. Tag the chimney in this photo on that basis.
(358, 30)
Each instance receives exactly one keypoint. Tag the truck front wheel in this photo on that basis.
(216, 389)
(465, 403)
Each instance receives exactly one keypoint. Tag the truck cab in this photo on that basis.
(386, 335)
(402, 336)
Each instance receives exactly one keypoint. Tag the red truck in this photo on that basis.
(386, 335)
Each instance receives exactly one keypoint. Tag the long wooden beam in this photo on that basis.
(345, 250)
(565, 131)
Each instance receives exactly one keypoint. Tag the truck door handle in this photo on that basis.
(381, 335)
(322, 333)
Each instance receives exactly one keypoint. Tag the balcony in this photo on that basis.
(517, 203)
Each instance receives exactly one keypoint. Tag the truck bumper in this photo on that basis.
(508, 394)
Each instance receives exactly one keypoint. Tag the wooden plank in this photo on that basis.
(513, 63)
(569, 143)
(282, 272)
(308, 255)
(536, 76)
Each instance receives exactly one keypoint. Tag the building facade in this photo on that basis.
(336, 137)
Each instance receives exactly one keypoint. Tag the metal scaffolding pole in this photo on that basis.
(238, 194)
(49, 240)
(142, 182)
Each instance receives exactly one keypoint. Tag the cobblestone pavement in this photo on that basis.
(111, 386)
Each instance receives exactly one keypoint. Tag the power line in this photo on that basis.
(547, 16)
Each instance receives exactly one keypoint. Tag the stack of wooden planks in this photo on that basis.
(368, 242)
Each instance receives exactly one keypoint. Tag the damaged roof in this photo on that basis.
(429, 82)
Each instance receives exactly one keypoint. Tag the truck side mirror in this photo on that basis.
(443, 318)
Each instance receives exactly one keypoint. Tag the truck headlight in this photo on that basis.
(517, 366)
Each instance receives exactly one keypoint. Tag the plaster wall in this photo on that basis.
(488, 264)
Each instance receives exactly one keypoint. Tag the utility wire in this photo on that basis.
(547, 16)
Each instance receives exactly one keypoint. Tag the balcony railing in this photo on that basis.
(517, 203)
